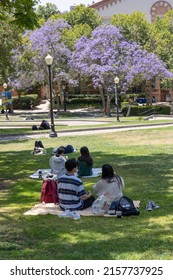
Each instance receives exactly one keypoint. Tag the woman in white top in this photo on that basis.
(57, 163)
(109, 183)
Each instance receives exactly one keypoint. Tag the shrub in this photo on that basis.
(24, 102)
(142, 110)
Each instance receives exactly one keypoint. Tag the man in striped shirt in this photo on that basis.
(71, 191)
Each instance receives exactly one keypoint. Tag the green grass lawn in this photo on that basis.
(17, 125)
(144, 158)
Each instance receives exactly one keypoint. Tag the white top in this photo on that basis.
(57, 164)
(114, 188)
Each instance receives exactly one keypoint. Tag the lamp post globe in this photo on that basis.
(4, 85)
(49, 61)
(116, 81)
(6, 111)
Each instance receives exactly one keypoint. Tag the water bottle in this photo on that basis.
(39, 174)
(119, 214)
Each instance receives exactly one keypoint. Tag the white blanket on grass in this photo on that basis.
(45, 172)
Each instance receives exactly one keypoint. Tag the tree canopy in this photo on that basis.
(107, 54)
(47, 10)
(29, 58)
(82, 15)
(162, 30)
(22, 12)
(134, 27)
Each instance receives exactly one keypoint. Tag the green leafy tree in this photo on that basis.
(47, 10)
(10, 37)
(82, 15)
(71, 35)
(22, 12)
(162, 30)
(134, 27)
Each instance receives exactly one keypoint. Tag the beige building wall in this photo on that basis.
(151, 8)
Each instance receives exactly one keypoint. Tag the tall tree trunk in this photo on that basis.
(103, 100)
(108, 103)
(57, 94)
(128, 109)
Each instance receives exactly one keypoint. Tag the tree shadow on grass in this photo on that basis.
(143, 175)
(88, 238)
(142, 237)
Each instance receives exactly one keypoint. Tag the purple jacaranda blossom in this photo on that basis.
(29, 58)
(106, 54)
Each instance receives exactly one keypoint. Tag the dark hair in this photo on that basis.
(85, 155)
(107, 171)
(70, 164)
(60, 151)
(108, 174)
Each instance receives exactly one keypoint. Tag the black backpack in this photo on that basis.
(69, 149)
(126, 205)
(34, 127)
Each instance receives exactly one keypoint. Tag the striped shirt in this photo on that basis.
(70, 190)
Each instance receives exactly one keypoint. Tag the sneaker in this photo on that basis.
(65, 214)
(40, 144)
(149, 206)
(154, 206)
(75, 215)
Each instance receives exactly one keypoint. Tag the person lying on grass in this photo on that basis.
(72, 195)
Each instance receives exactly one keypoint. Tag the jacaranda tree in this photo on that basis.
(29, 58)
(106, 54)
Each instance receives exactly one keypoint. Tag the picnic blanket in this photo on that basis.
(96, 173)
(54, 209)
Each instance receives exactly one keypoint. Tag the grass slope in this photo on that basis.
(144, 158)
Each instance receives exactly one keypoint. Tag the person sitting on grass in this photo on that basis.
(57, 162)
(109, 183)
(85, 163)
(72, 195)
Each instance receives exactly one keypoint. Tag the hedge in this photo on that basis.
(24, 102)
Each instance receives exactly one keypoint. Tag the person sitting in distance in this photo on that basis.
(85, 162)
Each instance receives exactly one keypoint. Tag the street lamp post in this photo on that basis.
(116, 81)
(6, 112)
(49, 60)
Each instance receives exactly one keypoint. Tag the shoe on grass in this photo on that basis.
(154, 206)
(75, 215)
(65, 214)
(149, 206)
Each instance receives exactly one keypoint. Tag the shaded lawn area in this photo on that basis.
(144, 158)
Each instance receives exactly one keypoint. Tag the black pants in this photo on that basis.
(88, 202)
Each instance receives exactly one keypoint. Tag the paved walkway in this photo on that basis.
(83, 131)
(44, 108)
